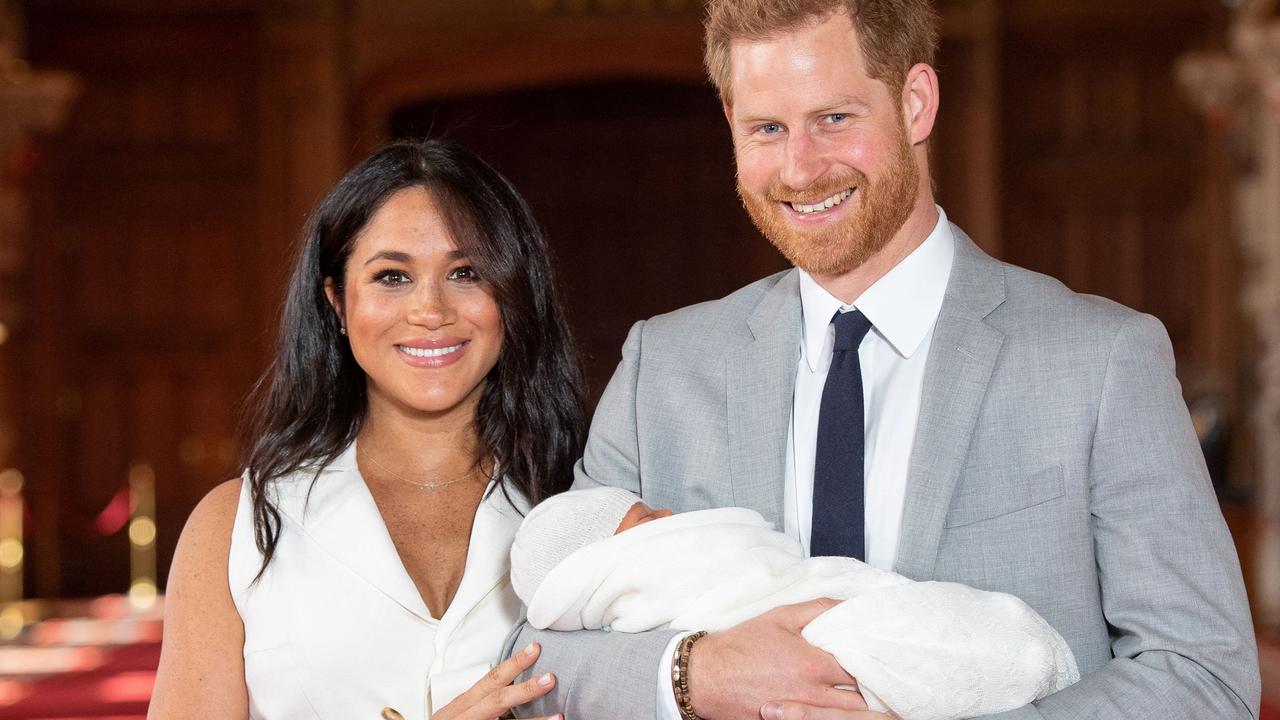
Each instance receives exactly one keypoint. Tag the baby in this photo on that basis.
(602, 559)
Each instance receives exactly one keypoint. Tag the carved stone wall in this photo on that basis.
(1238, 91)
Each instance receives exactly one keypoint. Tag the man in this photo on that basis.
(905, 398)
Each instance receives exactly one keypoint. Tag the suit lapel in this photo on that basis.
(760, 377)
(962, 357)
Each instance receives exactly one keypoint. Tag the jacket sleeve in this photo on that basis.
(1181, 636)
(603, 675)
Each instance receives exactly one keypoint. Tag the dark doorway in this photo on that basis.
(634, 183)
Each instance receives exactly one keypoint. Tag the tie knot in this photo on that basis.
(851, 327)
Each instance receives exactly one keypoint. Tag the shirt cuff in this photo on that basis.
(665, 697)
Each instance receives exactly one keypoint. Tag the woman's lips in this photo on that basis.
(433, 353)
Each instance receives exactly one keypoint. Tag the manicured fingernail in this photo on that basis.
(771, 711)
(545, 680)
(533, 648)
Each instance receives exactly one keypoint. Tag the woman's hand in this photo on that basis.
(494, 695)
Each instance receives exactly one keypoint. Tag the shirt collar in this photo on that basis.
(903, 305)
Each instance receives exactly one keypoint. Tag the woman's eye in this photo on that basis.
(391, 277)
(466, 273)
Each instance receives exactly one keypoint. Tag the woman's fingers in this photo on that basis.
(482, 701)
(513, 696)
(504, 672)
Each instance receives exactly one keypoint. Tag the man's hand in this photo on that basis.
(735, 673)
(800, 711)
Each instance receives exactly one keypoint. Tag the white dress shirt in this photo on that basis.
(903, 307)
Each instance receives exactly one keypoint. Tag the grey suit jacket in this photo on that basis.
(1054, 459)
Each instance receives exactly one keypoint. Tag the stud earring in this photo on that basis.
(342, 330)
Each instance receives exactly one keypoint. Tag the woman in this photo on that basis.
(424, 392)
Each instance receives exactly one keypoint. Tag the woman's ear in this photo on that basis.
(335, 302)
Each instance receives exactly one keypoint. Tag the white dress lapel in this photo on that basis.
(488, 555)
(341, 518)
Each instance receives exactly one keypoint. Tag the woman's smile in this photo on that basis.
(433, 353)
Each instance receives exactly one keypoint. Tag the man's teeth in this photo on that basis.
(825, 204)
(429, 352)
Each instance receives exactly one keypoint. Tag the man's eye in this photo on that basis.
(771, 128)
(391, 277)
(834, 118)
(466, 273)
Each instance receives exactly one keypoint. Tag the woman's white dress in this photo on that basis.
(335, 628)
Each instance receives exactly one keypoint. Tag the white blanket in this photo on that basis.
(922, 650)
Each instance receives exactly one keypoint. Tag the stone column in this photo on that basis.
(1258, 219)
(1240, 90)
(31, 103)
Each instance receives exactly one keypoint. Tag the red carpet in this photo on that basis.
(101, 666)
(1269, 660)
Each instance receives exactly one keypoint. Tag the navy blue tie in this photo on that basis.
(838, 514)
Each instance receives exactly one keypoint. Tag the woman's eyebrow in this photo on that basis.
(392, 255)
(404, 257)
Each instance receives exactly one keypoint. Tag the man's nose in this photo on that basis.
(803, 163)
(431, 307)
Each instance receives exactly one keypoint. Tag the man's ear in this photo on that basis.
(728, 112)
(920, 102)
(335, 300)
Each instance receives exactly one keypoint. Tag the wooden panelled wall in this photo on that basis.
(163, 217)
(1111, 186)
(143, 280)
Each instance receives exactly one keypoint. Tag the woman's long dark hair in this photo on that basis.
(311, 403)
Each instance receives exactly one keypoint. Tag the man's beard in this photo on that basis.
(836, 248)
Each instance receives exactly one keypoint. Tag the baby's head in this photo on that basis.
(640, 514)
(561, 525)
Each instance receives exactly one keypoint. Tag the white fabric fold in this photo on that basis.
(926, 650)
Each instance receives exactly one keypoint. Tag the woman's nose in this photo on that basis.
(431, 308)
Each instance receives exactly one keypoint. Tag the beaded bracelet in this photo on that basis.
(680, 675)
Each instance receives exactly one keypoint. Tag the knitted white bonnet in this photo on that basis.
(560, 526)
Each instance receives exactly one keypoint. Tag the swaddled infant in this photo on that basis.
(602, 559)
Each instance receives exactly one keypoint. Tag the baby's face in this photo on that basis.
(640, 514)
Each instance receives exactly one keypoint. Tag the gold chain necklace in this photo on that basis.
(424, 487)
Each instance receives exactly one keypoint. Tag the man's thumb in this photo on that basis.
(795, 617)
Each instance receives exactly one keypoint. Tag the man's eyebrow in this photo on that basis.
(753, 119)
(832, 103)
(842, 101)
